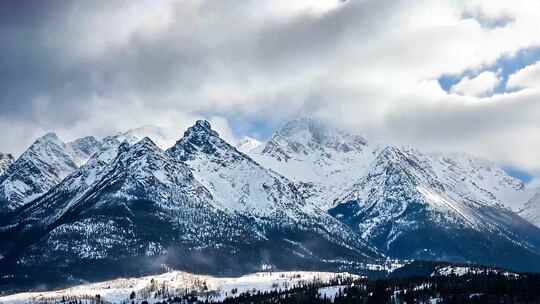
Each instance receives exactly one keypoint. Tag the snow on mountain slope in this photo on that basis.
(178, 284)
(143, 204)
(406, 209)
(146, 206)
(236, 182)
(43, 165)
(531, 209)
(49, 160)
(324, 161)
(241, 186)
(395, 178)
(140, 167)
(205, 198)
(477, 179)
(6, 160)
(321, 160)
(246, 144)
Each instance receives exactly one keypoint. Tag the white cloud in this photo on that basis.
(222, 126)
(371, 65)
(528, 77)
(479, 86)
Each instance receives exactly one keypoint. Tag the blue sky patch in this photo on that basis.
(518, 173)
(507, 65)
(488, 22)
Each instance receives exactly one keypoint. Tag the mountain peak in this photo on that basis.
(298, 125)
(203, 124)
(392, 154)
(201, 128)
(141, 154)
(144, 147)
(199, 138)
(145, 144)
(310, 136)
(48, 137)
(43, 165)
(404, 165)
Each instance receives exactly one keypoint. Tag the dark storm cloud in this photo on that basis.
(30, 65)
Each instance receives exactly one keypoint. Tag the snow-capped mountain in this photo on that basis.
(240, 186)
(6, 160)
(200, 206)
(390, 194)
(142, 204)
(141, 172)
(325, 161)
(320, 159)
(313, 196)
(49, 160)
(236, 182)
(246, 144)
(406, 209)
(43, 165)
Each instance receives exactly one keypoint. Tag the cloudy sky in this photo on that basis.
(440, 75)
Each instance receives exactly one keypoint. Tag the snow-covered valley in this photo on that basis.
(155, 288)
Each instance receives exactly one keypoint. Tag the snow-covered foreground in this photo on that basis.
(153, 288)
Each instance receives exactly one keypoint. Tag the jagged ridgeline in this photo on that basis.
(201, 206)
(410, 204)
(312, 197)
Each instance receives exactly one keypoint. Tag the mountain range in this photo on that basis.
(406, 203)
(311, 197)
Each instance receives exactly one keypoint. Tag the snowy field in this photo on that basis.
(154, 288)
